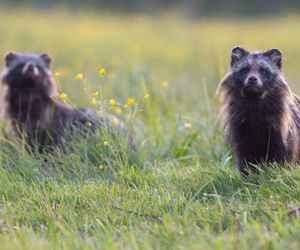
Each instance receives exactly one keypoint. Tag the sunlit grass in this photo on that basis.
(179, 187)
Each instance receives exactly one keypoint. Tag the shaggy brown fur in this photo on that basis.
(261, 116)
(30, 107)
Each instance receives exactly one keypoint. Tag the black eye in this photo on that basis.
(41, 69)
(20, 66)
(264, 71)
(245, 70)
(17, 68)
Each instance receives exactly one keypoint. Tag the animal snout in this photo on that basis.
(252, 80)
(30, 70)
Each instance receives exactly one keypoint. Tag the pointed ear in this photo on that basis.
(9, 57)
(275, 56)
(47, 59)
(237, 54)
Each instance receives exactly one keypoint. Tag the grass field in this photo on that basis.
(181, 190)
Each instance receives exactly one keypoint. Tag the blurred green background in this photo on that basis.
(143, 43)
(194, 7)
(184, 42)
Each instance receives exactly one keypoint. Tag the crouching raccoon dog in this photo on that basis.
(261, 115)
(29, 105)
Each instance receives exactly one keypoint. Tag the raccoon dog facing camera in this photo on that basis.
(261, 115)
(29, 106)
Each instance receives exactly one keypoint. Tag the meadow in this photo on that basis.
(181, 188)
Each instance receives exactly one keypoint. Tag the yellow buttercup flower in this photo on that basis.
(63, 96)
(130, 101)
(95, 94)
(94, 101)
(118, 110)
(57, 74)
(164, 84)
(102, 71)
(105, 143)
(79, 76)
(112, 102)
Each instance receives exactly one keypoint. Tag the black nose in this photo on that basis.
(30, 68)
(252, 80)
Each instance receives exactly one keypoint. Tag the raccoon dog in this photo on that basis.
(261, 115)
(29, 106)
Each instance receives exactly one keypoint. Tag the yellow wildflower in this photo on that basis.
(94, 101)
(164, 84)
(112, 102)
(102, 71)
(95, 94)
(63, 96)
(57, 74)
(79, 76)
(146, 96)
(130, 101)
(118, 110)
(105, 143)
